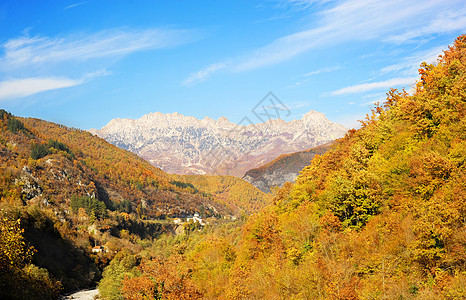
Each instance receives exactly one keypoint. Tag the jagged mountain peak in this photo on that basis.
(313, 116)
(176, 118)
(187, 145)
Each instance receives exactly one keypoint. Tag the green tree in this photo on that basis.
(39, 151)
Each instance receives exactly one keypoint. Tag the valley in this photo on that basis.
(233, 150)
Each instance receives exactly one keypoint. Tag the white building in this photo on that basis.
(98, 249)
(196, 219)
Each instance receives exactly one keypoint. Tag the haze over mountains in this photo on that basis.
(186, 145)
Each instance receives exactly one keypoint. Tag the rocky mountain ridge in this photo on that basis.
(186, 145)
(284, 168)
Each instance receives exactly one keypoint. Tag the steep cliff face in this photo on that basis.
(284, 168)
(186, 145)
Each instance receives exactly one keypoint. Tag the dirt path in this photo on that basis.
(83, 295)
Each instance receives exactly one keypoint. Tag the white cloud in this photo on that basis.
(312, 73)
(28, 51)
(409, 66)
(346, 21)
(19, 88)
(303, 3)
(375, 85)
(41, 56)
(301, 104)
(300, 5)
(98, 73)
(358, 20)
(75, 4)
(448, 21)
(281, 50)
(323, 70)
(203, 74)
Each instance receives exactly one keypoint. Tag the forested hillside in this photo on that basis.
(119, 173)
(235, 193)
(379, 216)
(63, 191)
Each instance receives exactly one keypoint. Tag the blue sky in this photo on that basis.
(82, 63)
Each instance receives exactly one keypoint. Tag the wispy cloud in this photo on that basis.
(358, 20)
(350, 20)
(98, 73)
(28, 51)
(323, 70)
(409, 66)
(448, 21)
(19, 88)
(295, 105)
(375, 85)
(281, 50)
(312, 73)
(300, 5)
(75, 4)
(40, 57)
(203, 74)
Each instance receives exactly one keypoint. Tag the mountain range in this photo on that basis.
(186, 145)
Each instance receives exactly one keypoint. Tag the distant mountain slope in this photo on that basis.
(109, 173)
(186, 145)
(284, 168)
(234, 192)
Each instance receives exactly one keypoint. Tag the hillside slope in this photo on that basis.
(284, 168)
(113, 174)
(233, 192)
(379, 216)
(69, 191)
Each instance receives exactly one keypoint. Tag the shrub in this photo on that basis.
(38, 151)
